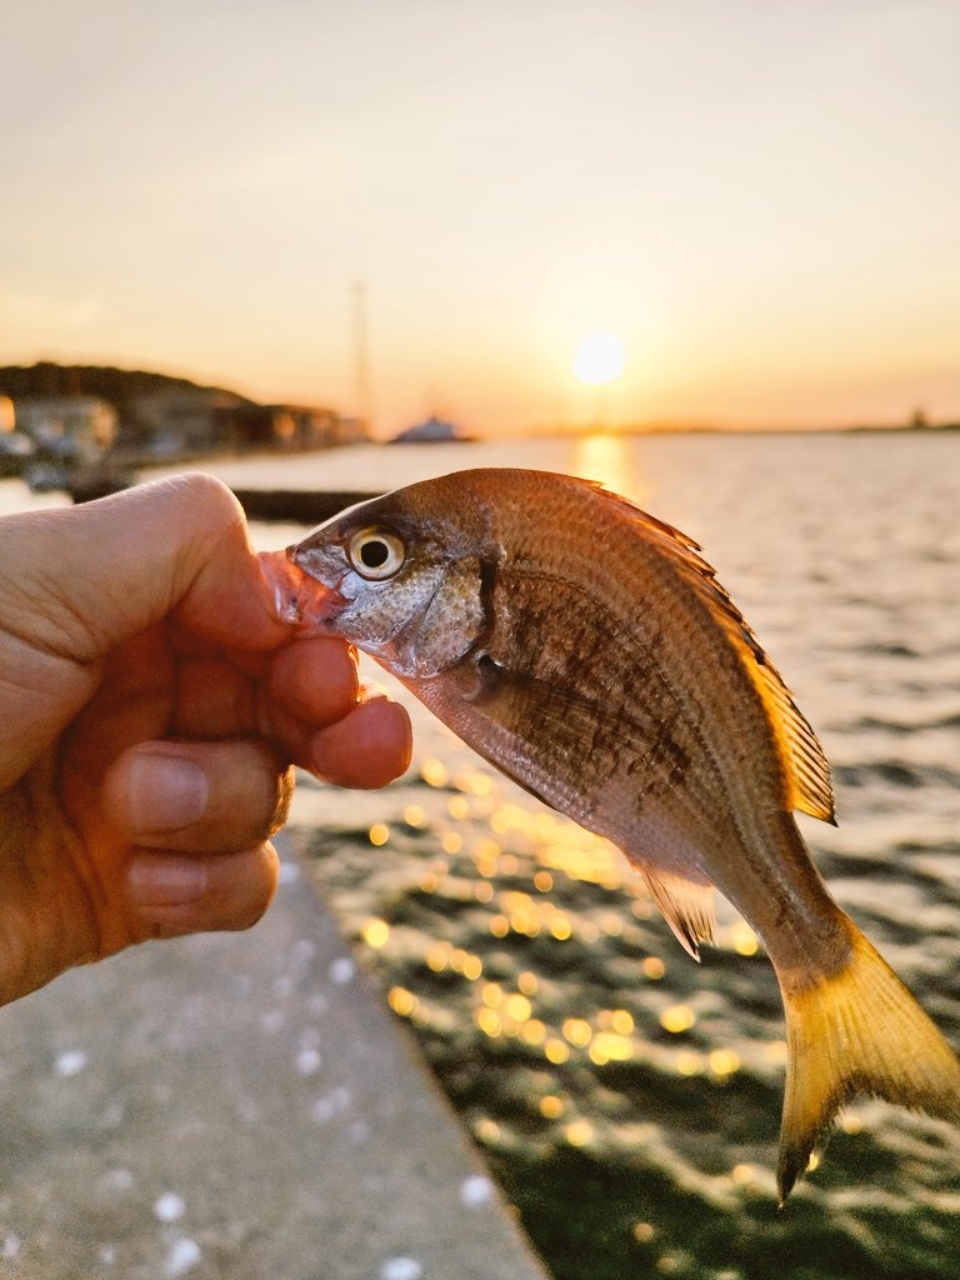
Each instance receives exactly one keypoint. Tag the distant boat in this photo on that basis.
(432, 430)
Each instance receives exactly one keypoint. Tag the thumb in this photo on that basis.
(76, 583)
(80, 581)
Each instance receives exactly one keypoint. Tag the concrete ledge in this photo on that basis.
(235, 1106)
(298, 506)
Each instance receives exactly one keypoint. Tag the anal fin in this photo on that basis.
(687, 906)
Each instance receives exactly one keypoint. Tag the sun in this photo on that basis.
(599, 358)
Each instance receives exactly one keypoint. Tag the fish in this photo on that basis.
(587, 650)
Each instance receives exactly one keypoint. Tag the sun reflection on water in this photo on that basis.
(609, 459)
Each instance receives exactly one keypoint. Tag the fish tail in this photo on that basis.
(858, 1032)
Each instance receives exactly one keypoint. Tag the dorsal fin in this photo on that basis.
(808, 773)
(687, 906)
(805, 768)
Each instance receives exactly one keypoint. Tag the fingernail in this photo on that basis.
(166, 879)
(165, 793)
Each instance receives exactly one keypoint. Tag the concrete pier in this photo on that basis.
(236, 1106)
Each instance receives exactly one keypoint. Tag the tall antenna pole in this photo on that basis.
(361, 369)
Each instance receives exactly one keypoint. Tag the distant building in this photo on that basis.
(74, 428)
(285, 426)
(186, 419)
(204, 421)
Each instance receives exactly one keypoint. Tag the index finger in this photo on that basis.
(315, 681)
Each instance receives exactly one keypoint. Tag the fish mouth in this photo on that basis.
(298, 598)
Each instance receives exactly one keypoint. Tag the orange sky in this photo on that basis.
(762, 200)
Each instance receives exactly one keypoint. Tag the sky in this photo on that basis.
(762, 200)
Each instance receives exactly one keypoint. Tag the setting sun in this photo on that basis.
(599, 358)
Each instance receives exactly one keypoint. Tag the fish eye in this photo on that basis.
(376, 553)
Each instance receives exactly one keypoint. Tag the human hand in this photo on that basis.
(151, 707)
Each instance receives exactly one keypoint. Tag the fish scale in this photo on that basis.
(587, 650)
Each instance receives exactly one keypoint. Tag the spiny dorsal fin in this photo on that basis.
(805, 768)
(687, 906)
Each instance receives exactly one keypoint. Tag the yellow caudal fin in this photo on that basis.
(858, 1032)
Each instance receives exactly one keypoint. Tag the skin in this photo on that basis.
(153, 705)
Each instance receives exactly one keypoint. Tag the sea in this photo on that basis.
(627, 1099)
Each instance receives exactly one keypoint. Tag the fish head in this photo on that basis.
(403, 577)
